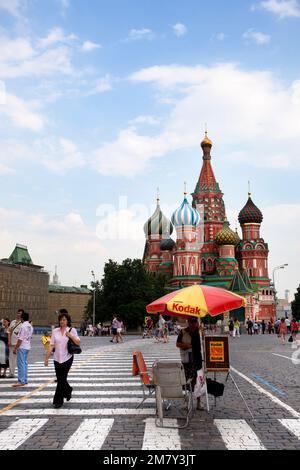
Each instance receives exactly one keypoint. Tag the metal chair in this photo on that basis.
(171, 384)
(139, 367)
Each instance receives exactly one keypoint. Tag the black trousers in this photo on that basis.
(63, 389)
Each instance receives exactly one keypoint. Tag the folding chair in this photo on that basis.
(139, 368)
(170, 384)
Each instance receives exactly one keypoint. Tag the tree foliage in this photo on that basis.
(296, 305)
(125, 290)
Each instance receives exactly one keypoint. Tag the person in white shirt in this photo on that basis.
(22, 349)
(13, 333)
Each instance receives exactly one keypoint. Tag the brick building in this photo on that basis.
(26, 285)
(23, 285)
(74, 299)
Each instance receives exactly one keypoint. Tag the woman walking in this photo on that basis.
(62, 358)
(282, 330)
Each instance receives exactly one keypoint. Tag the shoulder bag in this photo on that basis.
(73, 348)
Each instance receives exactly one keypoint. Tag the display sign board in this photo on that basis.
(217, 353)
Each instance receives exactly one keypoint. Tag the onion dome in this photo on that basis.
(250, 213)
(158, 224)
(185, 215)
(206, 142)
(226, 236)
(167, 245)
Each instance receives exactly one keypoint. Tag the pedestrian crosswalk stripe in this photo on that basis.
(95, 400)
(90, 435)
(238, 435)
(79, 379)
(81, 412)
(84, 384)
(18, 432)
(85, 374)
(292, 425)
(161, 438)
(49, 393)
(93, 432)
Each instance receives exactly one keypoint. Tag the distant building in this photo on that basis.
(283, 309)
(23, 285)
(74, 299)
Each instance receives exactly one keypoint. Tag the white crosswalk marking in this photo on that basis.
(238, 435)
(81, 412)
(90, 435)
(18, 432)
(161, 438)
(95, 400)
(292, 425)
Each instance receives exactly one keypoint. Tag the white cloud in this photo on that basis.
(255, 36)
(149, 120)
(281, 8)
(220, 95)
(22, 113)
(89, 46)
(58, 155)
(51, 62)
(14, 7)
(5, 170)
(49, 243)
(140, 34)
(56, 35)
(69, 242)
(179, 29)
(128, 155)
(15, 49)
(101, 86)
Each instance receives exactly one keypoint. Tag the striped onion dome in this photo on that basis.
(250, 213)
(185, 215)
(158, 224)
(226, 236)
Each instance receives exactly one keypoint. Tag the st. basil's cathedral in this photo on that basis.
(207, 251)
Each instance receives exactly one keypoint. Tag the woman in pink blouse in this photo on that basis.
(62, 358)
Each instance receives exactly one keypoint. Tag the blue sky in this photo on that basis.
(103, 100)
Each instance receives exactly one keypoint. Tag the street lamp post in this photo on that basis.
(94, 300)
(275, 292)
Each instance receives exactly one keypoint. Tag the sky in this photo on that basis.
(104, 101)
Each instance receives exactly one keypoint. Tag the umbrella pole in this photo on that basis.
(204, 367)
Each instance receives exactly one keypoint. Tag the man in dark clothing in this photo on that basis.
(189, 343)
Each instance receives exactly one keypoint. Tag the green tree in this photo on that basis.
(125, 290)
(296, 305)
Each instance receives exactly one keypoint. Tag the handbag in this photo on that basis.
(291, 340)
(73, 348)
(214, 388)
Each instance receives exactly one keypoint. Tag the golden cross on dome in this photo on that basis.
(158, 198)
(249, 189)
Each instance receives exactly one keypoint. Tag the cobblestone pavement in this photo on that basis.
(103, 411)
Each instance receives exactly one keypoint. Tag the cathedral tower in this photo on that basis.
(210, 198)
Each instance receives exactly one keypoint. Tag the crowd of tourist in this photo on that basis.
(282, 327)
